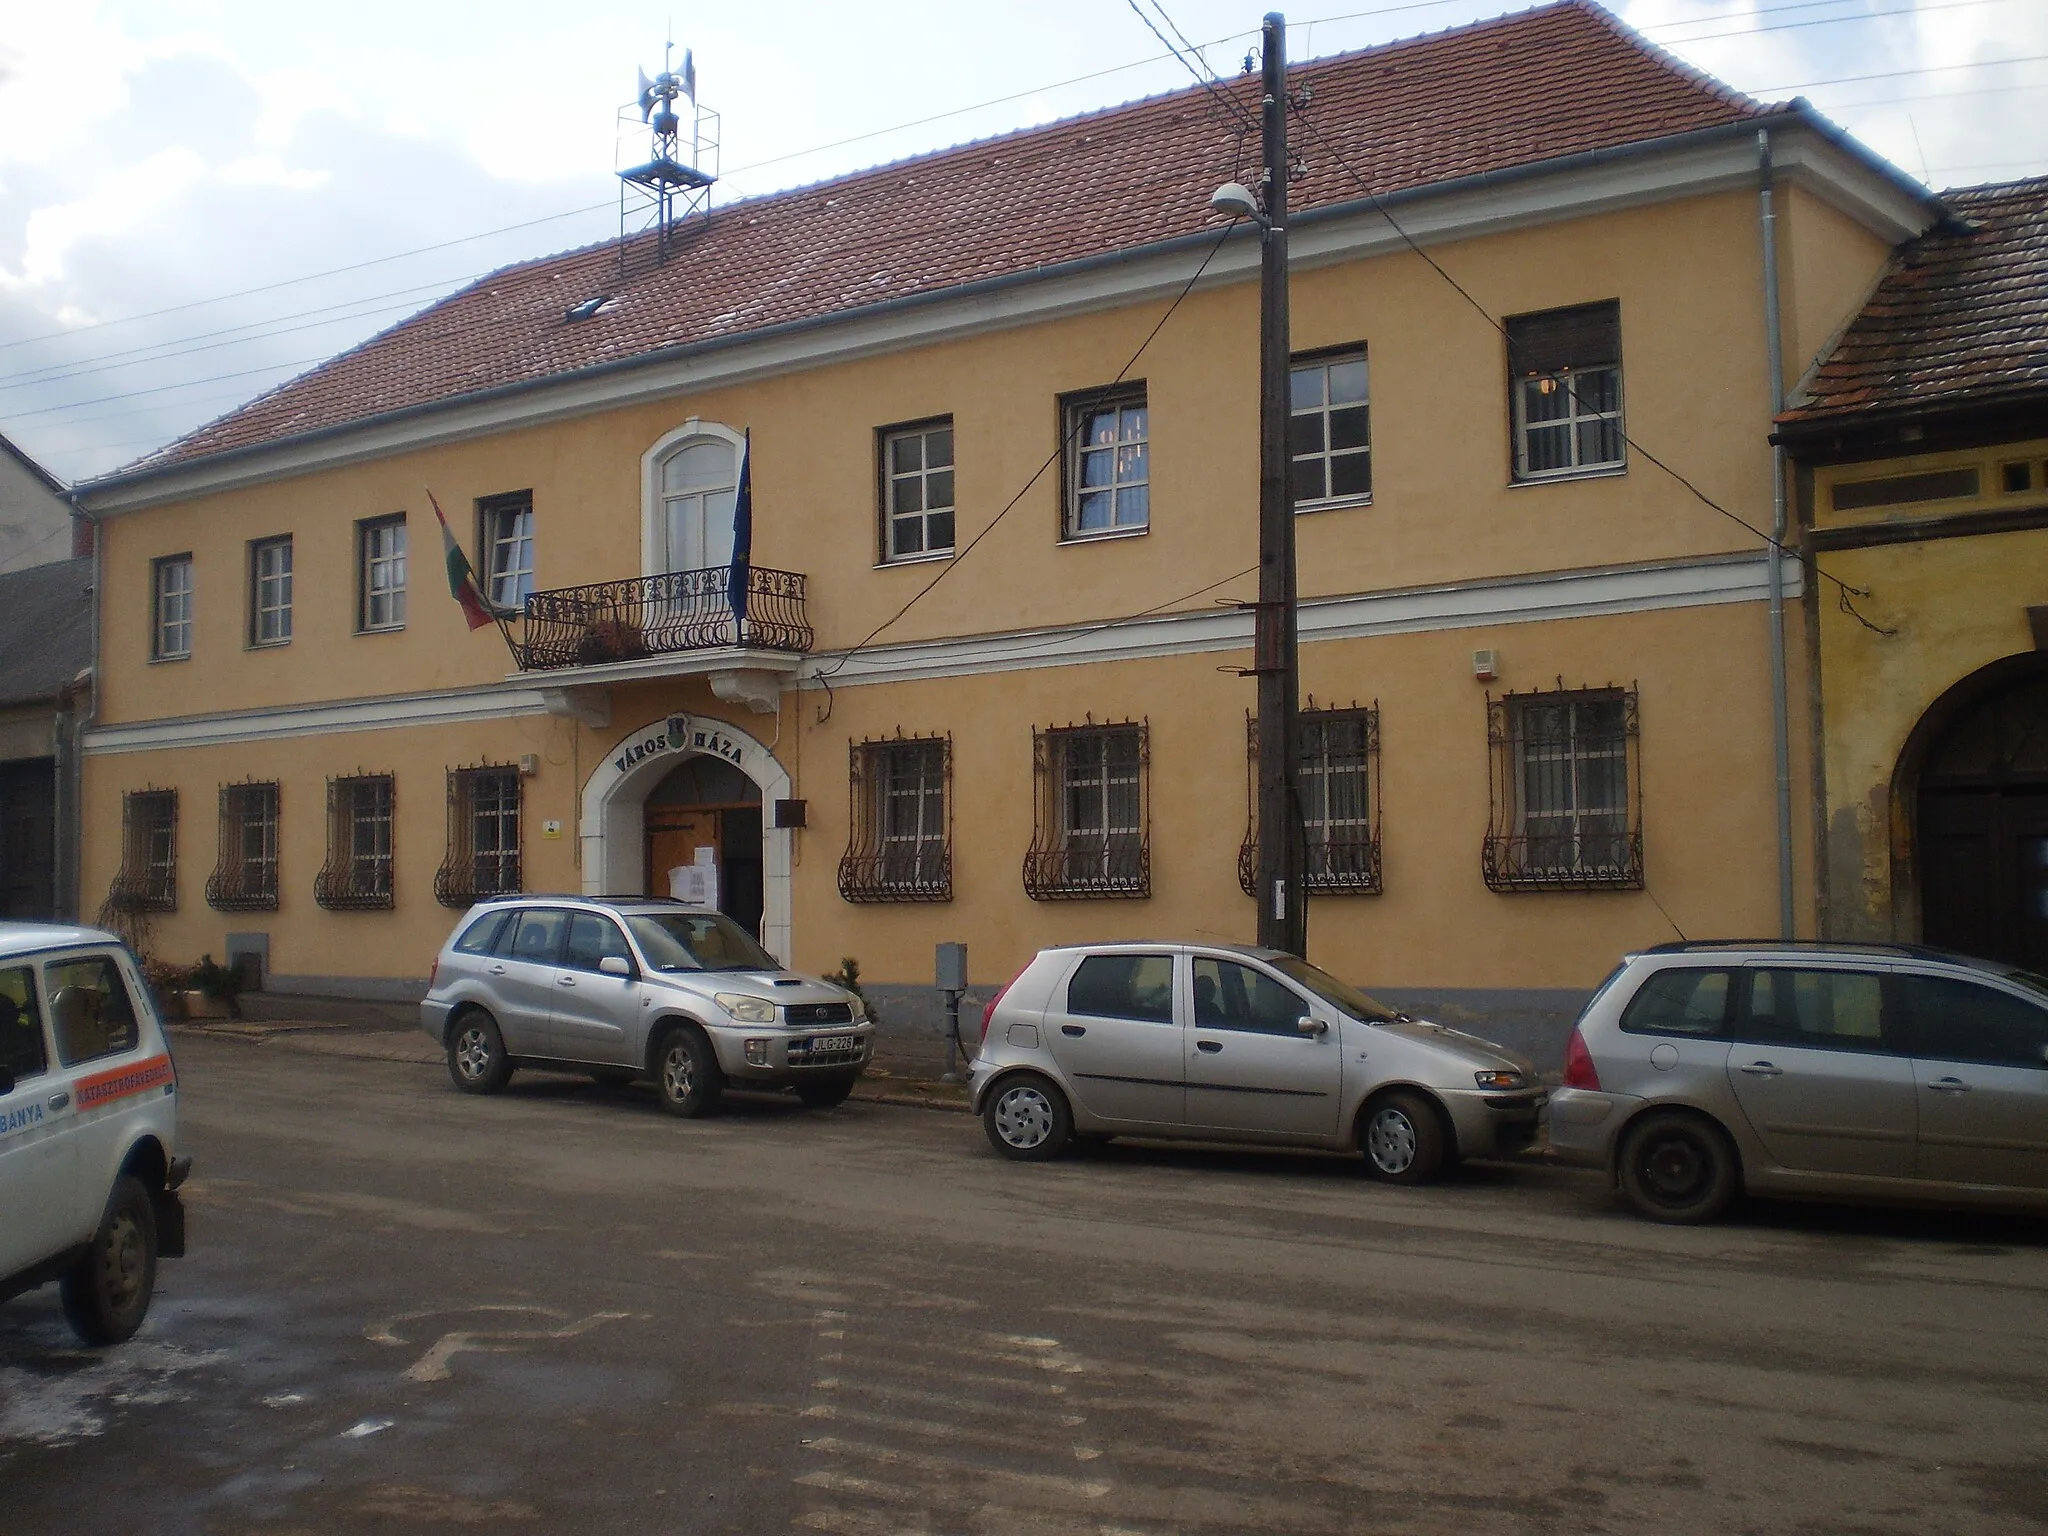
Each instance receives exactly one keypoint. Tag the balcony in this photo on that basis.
(671, 614)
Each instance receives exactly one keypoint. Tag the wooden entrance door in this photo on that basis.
(674, 834)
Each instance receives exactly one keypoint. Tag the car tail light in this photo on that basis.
(433, 972)
(1579, 1071)
(989, 1013)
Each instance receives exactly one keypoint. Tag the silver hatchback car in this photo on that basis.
(1700, 1070)
(1226, 1043)
(626, 987)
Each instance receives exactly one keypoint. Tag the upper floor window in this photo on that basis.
(270, 591)
(505, 524)
(1108, 462)
(1567, 791)
(380, 573)
(1336, 771)
(244, 878)
(1564, 373)
(358, 872)
(170, 625)
(148, 877)
(1329, 429)
(917, 490)
(483, 836)
(899, 837)
(1092, 835)
(699, 483)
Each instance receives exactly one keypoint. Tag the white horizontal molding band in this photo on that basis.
(463, 706)
(1628, 179)
(1741, 578)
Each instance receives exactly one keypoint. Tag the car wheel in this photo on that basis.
(1678, 1168)
(476, 1054)
(1027, 1117)
(1402, 1138)
(106, 1293)
(824, 1092)
(686, 1074)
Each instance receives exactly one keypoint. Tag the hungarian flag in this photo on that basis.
(461, 578)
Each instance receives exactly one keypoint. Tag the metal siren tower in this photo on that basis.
(675, 182)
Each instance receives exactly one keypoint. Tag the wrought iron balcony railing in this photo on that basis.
(661, 615)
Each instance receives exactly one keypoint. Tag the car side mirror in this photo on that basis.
(615, 965)
(1314, 1028)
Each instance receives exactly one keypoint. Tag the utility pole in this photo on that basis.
(1283, 899)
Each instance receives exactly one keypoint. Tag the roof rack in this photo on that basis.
(1809, 946)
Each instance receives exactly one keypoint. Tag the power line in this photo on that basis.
(160, 389)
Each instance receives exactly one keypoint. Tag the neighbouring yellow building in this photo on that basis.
(998, 411)
(1922, 448)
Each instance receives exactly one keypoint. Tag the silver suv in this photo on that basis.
(88, 1128)
(634, 986)
(1227, 1043)
(1700, 1070)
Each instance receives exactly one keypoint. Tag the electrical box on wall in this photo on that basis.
(1486, 665)
(529, 764)
(791, 813)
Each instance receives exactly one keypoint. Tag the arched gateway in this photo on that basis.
(614, 811)
(1975, 775)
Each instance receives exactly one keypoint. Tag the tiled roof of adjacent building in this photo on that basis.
(1960, 321)
(1535, 86)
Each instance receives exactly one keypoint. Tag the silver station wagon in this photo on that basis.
(1226, 1043)
(1700, 1070)
(626, 987)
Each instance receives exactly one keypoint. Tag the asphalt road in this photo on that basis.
(561, 1310)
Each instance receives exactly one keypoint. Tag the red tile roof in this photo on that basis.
(1515, 91)
(1959, 322)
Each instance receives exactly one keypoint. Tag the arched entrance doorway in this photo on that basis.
(1982, 814)
(706, 814)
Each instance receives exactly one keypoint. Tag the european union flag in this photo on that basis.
(742, 542)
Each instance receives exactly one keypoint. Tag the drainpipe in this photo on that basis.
(1781, 719)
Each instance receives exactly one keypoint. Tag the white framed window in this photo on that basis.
(699, 492)
(1329, 430)
(380, 562)
(505, 526)
(1108, 462)
(170, 626)
(917, 490)
(270, 591)
(1564, 378)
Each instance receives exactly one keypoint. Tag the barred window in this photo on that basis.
(483, 836)
(1092, 835)
(1567, 791)
(148, 878)
(1337, 770)
(357, 875)
(244, 877)
(899, 830)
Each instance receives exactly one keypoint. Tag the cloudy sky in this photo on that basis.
(199, 198)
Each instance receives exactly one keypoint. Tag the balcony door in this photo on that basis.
(699, 480)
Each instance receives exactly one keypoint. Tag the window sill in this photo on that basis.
(1332, 504)
(1599, 472)
(1106, 534)
(930, 557)
(382, 629)
(159, 661)
(266, 645)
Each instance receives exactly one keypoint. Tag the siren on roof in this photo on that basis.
(674, 182)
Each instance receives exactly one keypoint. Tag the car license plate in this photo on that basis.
(834, 1042)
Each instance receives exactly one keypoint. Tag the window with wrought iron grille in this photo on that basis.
(483, 836)
(380, 573)
(899, 844)
(1337, 776)
(1564, 376)
(1093, 831)
(1108, 462)
(1329, 430)
(244, 877)
(917, 490)
(270, 591)
(358, 873)
(505, 526)
(170, 621)
(148, 878)
(1567, 791)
